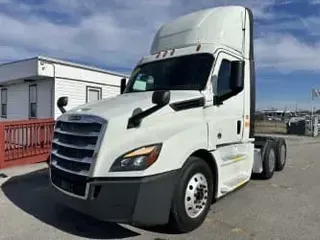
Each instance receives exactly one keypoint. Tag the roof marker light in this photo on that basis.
(198, 47)
(164, 54)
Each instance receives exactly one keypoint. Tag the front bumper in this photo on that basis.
(144, 200)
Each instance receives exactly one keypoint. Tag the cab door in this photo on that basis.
(225, 121)
(225, 117)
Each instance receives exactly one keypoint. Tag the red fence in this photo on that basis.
(25, 142)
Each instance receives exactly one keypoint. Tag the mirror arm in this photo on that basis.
(136, 118)
(62, 109)
(217, 101)
(159, 98)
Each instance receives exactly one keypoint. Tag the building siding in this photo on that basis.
(18, 100)
(68, 72)
(76, 92)
(54, 79)
(45, 98)
(18, 70)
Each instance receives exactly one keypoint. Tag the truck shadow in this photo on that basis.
(30, 193)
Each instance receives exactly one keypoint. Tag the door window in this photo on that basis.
(228, 80)
(33, 101)
(224, 78)
(4, 103)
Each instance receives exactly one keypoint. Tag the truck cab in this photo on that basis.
(180, 134)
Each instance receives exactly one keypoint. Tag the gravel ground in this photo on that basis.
(284, 207)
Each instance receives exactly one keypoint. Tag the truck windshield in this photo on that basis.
(180, 73)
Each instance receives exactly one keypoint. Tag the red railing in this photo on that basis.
(25, 142)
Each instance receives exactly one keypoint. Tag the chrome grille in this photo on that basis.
(75, 142)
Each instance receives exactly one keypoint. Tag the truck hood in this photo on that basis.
(124, 104)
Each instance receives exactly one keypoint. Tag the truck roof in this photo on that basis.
(220, 25)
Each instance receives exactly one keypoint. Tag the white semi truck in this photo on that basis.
(179, 136)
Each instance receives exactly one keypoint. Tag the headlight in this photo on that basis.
(137, 160)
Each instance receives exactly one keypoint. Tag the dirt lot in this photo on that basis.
(270, 127)
(285, 207)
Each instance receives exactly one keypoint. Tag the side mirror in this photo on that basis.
(237, 75)
(61, 103)
(161, 97)
(123, 85)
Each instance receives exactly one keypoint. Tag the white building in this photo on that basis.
(30, 88)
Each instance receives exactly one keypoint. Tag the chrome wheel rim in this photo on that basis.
(196, 195)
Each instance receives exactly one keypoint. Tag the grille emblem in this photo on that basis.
(74, 118)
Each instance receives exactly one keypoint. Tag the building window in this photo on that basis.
(33, 101)
(4, 98)
(93, 94)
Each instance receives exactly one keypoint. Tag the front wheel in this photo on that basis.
(193, 196)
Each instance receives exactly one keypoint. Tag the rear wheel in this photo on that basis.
(281, 151)
(192, 197)
(269, 160)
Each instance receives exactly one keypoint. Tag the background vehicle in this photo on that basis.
(180, 135)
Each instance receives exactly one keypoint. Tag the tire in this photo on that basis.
(281, 151)
(269, 160)
(194, 173)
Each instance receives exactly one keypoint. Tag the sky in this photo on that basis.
(115, 34)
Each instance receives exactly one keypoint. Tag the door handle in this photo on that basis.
(238, 126)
